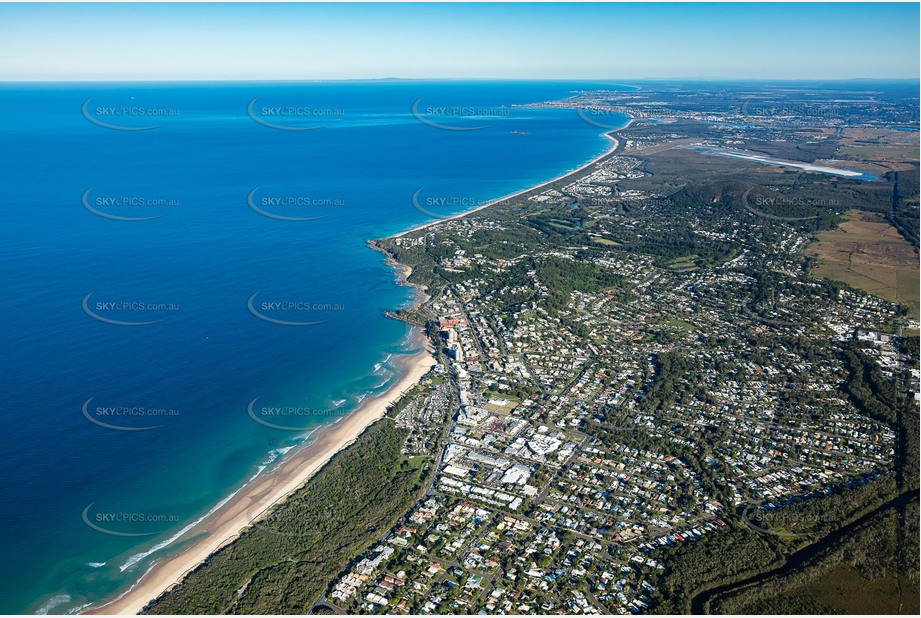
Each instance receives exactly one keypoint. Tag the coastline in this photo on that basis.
(615, 145)
(231, 518)
(226, 523)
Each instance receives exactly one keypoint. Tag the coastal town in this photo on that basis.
(644, 406)
(681, 365)
(604, 308)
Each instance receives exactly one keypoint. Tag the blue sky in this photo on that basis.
(541, 41)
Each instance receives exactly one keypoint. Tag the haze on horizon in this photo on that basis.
(213, 41)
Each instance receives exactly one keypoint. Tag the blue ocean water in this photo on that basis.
(148, 245)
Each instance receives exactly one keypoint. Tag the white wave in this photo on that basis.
(53, 602)
(382, 366)
(273, 456)
(95, 565)
(78, 609)
(386, 381)
(132, 587)
(132, 560)
(258, 472)
(306, 436)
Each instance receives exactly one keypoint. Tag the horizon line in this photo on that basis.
(417, 79)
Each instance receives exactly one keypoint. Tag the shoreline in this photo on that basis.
(229, 520)
(613, 148)
(226, 523)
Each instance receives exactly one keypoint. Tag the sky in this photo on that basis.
(124, 42)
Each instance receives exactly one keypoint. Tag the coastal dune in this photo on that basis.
(254, 500)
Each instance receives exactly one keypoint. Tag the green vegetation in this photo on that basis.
(667, 318)
(743, 552)
(712, 561)
(869, 390)
(862, 574)
(904, 214)
(283, 564)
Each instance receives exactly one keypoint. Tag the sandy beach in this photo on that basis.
(614, 145)
(251, 503)
(253, 500)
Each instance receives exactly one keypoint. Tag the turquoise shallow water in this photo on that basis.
(117, 435)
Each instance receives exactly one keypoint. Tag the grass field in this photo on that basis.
(890, 149)
(866, 252)
(681, 324)
(510, 402)
(683, 263)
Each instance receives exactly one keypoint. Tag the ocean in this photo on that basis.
(188, 292)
